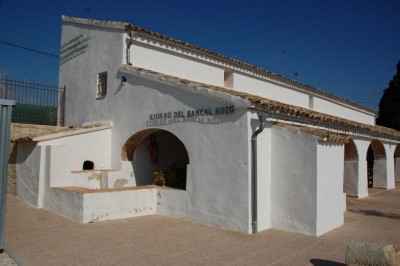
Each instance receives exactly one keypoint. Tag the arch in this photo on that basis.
(157, 157)
(350, 177)
(397, 165)
(376, 164)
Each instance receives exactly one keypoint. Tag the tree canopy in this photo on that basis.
(389, 106)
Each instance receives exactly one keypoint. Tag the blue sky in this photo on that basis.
(349, 48)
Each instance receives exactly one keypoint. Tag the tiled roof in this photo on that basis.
(323, 136)
(58, 132)
(273, 108)
(216, 56)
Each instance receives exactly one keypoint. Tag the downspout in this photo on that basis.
(129, 42)
(254, 214)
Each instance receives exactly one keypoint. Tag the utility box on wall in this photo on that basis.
(5, 123)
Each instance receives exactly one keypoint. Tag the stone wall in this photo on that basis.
(19, 131)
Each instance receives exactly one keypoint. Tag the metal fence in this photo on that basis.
(36, 103)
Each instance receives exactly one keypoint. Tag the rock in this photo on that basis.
(370, 254)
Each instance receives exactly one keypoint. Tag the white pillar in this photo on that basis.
(362, 180)
(390, 179)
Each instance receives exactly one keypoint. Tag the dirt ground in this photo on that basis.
(37, 237)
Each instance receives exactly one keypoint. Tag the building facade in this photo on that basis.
(159, 126)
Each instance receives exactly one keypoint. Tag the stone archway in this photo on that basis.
(376, 165)
(157, 157)
(397, 165)
(350, 177)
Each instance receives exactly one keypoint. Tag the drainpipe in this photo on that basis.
(129, 42)
(254, 214)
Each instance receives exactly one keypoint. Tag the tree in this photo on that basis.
(389, 106)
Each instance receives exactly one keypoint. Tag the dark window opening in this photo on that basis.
(88, 165)
(228, 78)
(101, 85)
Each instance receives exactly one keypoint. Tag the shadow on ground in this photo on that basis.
(319, 262)
(378, 213)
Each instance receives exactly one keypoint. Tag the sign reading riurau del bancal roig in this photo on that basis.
(189, 115)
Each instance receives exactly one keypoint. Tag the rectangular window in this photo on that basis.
(311, 102)
(228, 79)
(101, 91)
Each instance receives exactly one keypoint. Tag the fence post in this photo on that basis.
(5, 123)
(61, 107)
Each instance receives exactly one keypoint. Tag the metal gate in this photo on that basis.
(5, 123)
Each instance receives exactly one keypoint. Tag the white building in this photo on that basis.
(235, 145)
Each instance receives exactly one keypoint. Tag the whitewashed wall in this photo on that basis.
(324, 106)
(218, 194)
(269, 90)
(176, 65)
(68, 154)
(28, 172)
(331, 201)
(397, 169)
(104, 52)
(118, 205)
(293, 184)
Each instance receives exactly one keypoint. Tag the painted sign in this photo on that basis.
(73, 48)
(199, 115)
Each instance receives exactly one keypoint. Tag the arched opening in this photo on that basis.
(87, 165)
(397, 165)
(158, 157)
(376, 165)
(350, 178)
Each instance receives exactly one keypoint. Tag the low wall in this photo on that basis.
(173, 202)
(68, 204)
(87, 206)
(19, 131)
(27, 164)
(101, 206)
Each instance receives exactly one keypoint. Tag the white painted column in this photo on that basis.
(362, 180)
(390, 177)
(264, 179)
(43, 174)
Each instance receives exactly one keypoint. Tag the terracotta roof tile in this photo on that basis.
(275, 108)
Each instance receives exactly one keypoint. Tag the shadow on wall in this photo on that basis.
(26, 149)
(319, 262)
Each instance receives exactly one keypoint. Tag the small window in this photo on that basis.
(88, 165)
(311, 102)
(228, 78)
(101, 85)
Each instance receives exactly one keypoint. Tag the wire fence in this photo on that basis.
(36, 103)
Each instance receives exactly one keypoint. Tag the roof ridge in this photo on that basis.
(239, 63)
